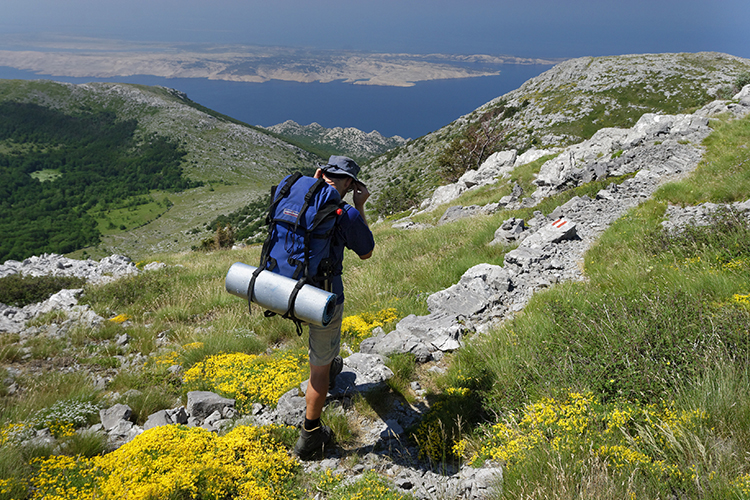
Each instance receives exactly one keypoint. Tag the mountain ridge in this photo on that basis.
(238, 162)
(564, 105)
(348, 141)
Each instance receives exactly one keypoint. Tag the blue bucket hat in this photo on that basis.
(342, 165)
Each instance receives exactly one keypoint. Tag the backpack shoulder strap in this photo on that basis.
(279, 192)
(314, 189)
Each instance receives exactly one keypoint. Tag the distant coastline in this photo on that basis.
(409, 112)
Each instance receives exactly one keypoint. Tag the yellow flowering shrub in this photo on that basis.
(370, 487)
(15, 432)
(360, 326)
(174, 462)
(248, 378)
(743, 300)
(170, 358)
(739, 264)
(742, 486)
(12, 488)
(615, 432)
(565, 421)
(61, 477)
(120, 318)
(327, 481)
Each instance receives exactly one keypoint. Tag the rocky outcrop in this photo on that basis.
(13, 319)
(609, 152)
(108, 269)
(349, 141)
(593, 159)
(495, 168)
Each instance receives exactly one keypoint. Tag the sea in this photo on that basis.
(409, 112)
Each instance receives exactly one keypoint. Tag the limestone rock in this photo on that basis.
(498, 164)
(555, 232)
(201, 404)
(511, 231)
(110, 417)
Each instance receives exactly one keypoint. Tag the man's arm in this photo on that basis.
(359, 197)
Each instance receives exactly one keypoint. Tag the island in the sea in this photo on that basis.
(76, 57)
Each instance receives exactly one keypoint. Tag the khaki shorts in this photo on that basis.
(325, 341)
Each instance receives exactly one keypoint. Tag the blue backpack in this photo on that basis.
(302, 220)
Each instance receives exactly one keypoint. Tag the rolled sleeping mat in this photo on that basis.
(272, 292)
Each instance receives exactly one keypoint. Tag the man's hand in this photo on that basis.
(360, 195)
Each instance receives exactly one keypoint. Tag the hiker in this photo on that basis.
(324, 342)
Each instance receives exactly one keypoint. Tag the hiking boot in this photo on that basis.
(336, 365)
(312, 444)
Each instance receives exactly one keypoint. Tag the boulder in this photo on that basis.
(510, 231)
(532, 155)
(554, 232)
(158, 419)
(362, 372)
(478, 286)
(113, 415)
(496, 165)
(743, 96)
(445, 194)
(525, 257)
(201, 404)
(290, 409)
(397, 342)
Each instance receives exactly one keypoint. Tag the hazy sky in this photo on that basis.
(528, 28)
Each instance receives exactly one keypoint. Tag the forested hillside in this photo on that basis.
(54, 168)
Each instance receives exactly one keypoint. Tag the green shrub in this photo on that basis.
(14, 472)
(397, 196)
(403, 367)
(129, 290)
(479, 140)
(18, 291)
(223, 238)
(84, 444)
(9, 349)
(149, 401)
(742, 80)
(452, 414)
